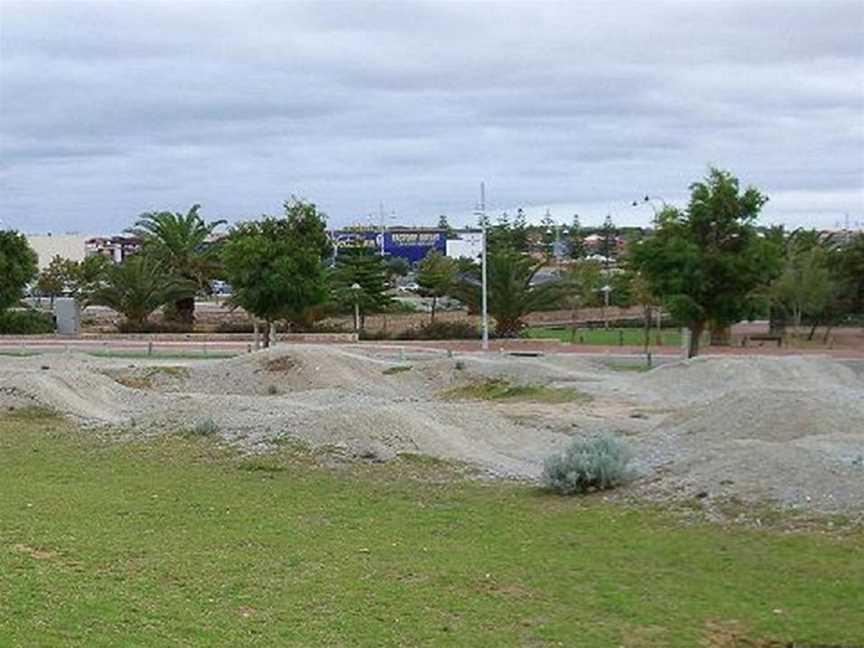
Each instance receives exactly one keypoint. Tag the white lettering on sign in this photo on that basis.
(415, 238)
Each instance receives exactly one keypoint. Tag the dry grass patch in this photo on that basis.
(145, 378)
(280, 364)
(498, 389)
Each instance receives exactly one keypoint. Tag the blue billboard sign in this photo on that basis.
(411, 245)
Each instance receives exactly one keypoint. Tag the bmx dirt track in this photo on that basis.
(784, 430)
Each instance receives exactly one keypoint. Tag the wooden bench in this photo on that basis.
(762, 337)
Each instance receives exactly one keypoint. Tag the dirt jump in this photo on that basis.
(788, 431)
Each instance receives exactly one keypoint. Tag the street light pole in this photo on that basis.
(355, 289)
(484, 307)
(650, 201)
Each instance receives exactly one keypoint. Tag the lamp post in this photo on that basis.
(650, 200)
(355, 290)
(556, 244)
(606, 290)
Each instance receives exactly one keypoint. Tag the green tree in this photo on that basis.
(576, 239)
(507, 235)
(512, 290)
(56, 277)
(137, 287)
(584, 279)
(397, 266)
(621, 283)
(436, 275)
(847, 263)
(180, 242)
(804, 287)
(548, 233)
(88, 275)
(708, 261)
(76, 278)
(18, 267)
(609, 244)
(276, 265)
(519, 232)
(367, 269)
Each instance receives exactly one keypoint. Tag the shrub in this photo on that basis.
(26, 322)
(375, 335)
(587, 465)
(458, 330)
(232, 326)
(396, 370)
(204, 428)
(399, 306)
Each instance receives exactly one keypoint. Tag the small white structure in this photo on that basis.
(468, 244)
(68, 315)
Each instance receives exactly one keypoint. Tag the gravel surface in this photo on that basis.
(785, 430)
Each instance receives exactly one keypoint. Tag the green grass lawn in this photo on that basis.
(605, 337)
(180, 542)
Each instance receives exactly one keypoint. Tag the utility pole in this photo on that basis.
(485, 316)
(381, 219)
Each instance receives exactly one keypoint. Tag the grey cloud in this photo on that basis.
(110, 109)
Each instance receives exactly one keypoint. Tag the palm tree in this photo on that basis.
(179, 243)
(513, 291)
(137, 287)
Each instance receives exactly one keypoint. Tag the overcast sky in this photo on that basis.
(111, 109)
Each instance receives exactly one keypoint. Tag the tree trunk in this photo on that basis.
(256, 331)
(267, 334)
(721, 334)
(696, 329)
(185, 310)
(434, 304)
(776, 321)
(508, 328)
(828, 328)
(812, 330)
(271, 334)
(646, 311)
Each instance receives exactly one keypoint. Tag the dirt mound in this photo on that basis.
(375, 407)
(787, 430)
(791, 475)
(705, 377)
(300, 369)
(773, 415)
(85, 395)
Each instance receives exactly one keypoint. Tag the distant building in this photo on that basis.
(465, 244)
(407, 243)
(116, 248)
(594, 244)
(67, 246)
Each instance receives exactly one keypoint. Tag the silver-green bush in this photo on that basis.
(204, 428)
(587, 465)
